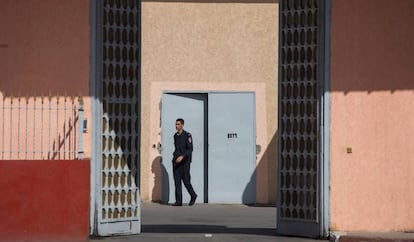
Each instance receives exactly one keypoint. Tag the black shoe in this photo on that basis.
(177, 204)
(192, 201)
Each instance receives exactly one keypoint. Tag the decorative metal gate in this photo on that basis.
(118, 91)
(302, 200)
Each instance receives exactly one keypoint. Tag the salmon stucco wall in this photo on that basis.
(210, 46)
(372, 116)
(44, 57)
(44, 47)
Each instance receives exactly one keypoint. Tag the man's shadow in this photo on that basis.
(161, 190)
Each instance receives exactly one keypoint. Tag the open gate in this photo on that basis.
(116, 116)
(303, 118)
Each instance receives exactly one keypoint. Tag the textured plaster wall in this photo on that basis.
(44, 52)
(44, 47)
(372, 112)
(42, 205)
(210, 46)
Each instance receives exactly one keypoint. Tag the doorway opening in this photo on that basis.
(223, 128)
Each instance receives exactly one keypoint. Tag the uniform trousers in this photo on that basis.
(182, 173)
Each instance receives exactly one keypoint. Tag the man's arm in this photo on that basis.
(188, 149)
(188, 146)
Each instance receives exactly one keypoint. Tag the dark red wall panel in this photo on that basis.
(44, 200)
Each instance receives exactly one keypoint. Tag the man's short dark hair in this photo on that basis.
(180, 120)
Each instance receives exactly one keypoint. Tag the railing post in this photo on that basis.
(80, 128)
(2, 129)
(72, 128)
(18, 127)
(64, 126)
(34, 127)
(42, 130)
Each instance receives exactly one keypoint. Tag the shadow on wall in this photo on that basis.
(268, 167)
(161, 191)
(41, 128)
(249, 193)
(47, 59)
(372, 46)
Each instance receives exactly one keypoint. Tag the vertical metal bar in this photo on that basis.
(18, 128)
(72, 131)
(41, 129)
(96, 10)
(34, 127)
(326, 100)
(2, 131)
(57, 129)
(80, 122)
(27, 129)
(11, 127)
(137, 100)
(64, 128)
(50, 124)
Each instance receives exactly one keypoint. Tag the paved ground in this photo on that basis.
(227, 223)
(206, 222)
(377, 237)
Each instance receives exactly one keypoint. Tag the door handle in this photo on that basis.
(158, 147)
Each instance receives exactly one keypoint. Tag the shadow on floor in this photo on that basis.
(204, 229)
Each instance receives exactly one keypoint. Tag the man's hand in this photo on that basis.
(179, 159)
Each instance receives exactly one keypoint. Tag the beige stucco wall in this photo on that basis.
(372, 112)
(210, 46)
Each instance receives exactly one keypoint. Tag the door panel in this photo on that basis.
(190, 107)
(232, 144)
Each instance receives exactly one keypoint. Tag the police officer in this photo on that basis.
(181, 163)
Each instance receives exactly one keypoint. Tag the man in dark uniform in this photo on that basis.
(181, 163)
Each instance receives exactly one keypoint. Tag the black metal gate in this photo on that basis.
(303, 75)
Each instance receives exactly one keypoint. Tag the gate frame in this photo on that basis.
(326, 122)
(94, 87)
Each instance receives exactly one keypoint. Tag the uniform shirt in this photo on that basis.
(183, 145)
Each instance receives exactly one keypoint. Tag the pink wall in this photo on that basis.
(44, 200)
(44, 47)
(372, 112)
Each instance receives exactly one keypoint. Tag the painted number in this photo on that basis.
(232, 135)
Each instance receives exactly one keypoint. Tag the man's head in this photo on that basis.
(179, 124)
